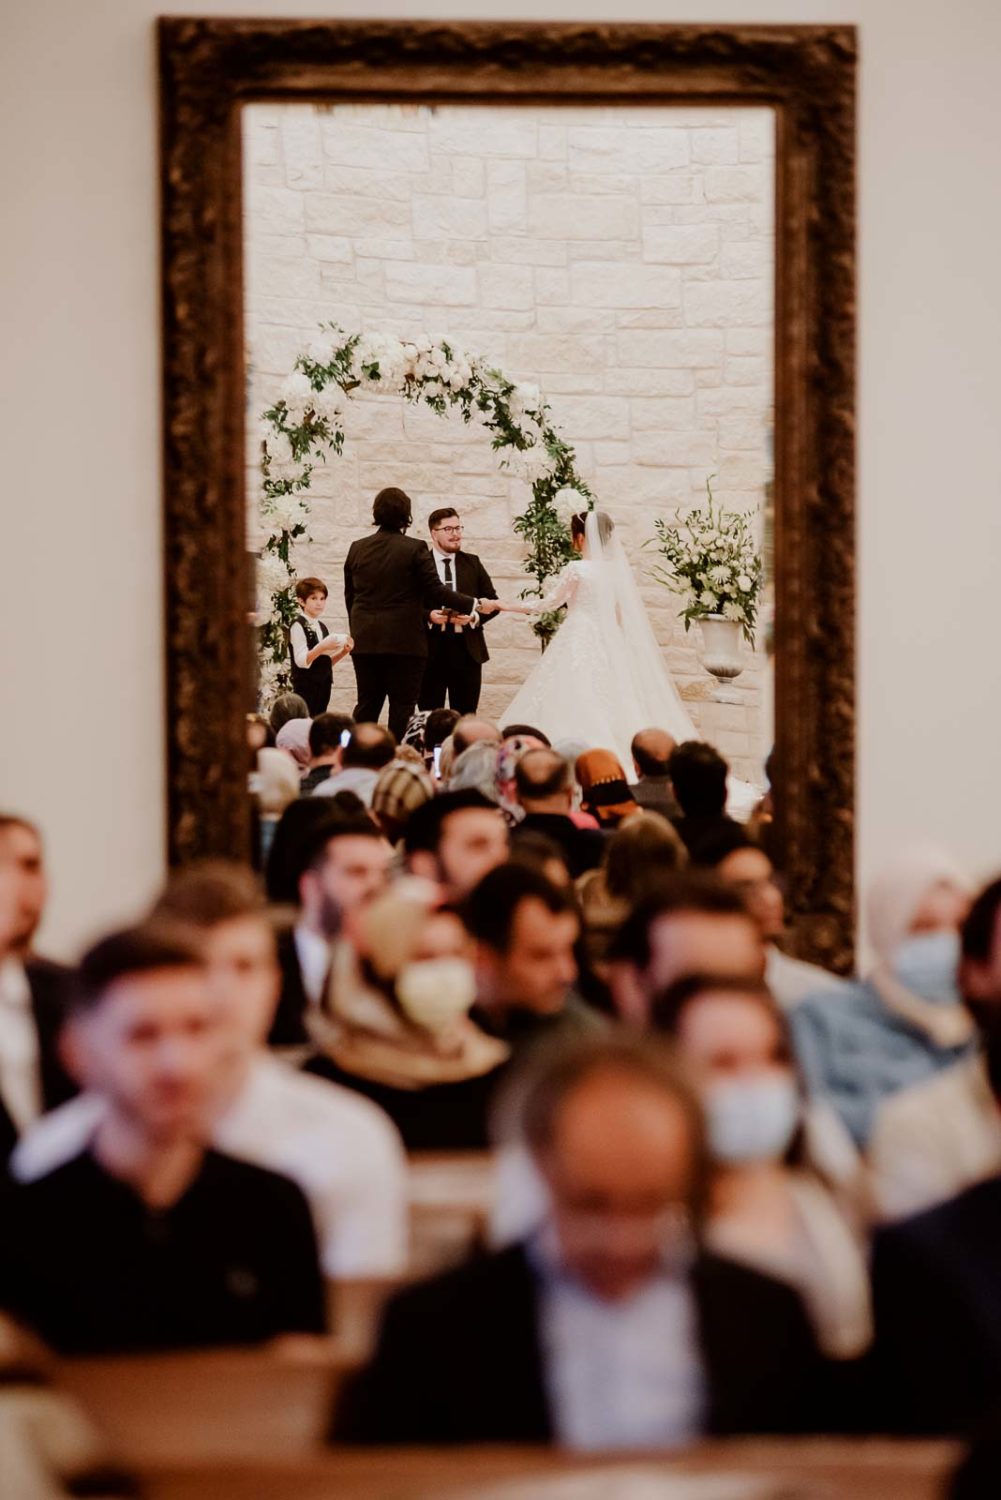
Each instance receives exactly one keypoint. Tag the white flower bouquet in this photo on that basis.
(713, 563)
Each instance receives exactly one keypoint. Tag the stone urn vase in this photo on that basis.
(721, 647)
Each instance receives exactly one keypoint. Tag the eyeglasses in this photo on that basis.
(451, 530)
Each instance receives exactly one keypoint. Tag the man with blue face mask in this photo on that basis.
(946, 1363)
(610, 1326)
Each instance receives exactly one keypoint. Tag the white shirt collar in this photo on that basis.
(313, 953)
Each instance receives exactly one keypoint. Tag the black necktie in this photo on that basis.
(448, 571)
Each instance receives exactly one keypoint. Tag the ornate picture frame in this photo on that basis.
(210, 68)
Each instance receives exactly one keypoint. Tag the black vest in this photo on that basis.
(307, 683)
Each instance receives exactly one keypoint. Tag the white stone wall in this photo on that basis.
(623, 259)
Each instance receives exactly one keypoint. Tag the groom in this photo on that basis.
(389, 581)
(456, 648)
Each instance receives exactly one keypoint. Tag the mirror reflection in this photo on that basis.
(540, 340)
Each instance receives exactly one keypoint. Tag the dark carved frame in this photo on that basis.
(210, 68)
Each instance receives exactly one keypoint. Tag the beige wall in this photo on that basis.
(621, 258)
(79, 571)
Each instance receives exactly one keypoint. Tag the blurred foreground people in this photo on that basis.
(340, 1150)
(525, 931)
(33, 991)
(612, 1326)
(747, 869)
(904, 1024)
(769, 1207)
(146, 1239)
(692, 925)
(636, 859)
(936, 1138)
(454, 840)
(344, 865)
(396, 1024)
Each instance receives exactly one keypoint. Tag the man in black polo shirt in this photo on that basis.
(147, 1240)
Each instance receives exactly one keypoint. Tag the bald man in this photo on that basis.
(653, 791)
(610, 1327)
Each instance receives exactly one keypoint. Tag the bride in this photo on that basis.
(602, 678)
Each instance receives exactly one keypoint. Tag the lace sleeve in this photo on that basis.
(561, 592)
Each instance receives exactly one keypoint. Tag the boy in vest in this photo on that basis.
(312, 648)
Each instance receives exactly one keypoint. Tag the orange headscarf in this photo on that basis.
(603, 783)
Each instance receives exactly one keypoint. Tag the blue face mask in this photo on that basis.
(926, 963)
(751, 1119)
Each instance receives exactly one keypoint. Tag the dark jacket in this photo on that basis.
(50, 984)
(471, 577)
(655, 794)
(459, 1359)
(288, 1029)
(937, 1299)
(389, 581)
(582, 848)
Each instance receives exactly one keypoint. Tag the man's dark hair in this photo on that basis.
(688, 892)
(536, 850)
(392, 509)
(437, 516)
(132, 951)
(709, 853)
(439, 725)
(325, 733)
(667, 1007)
(207, 893)
(490, 909)
(524, 731)
(427, 824)
(977, 932)
(698, 774)
(647, 763)
(307, 586)
(298, 824)
(320, 839)
(540, 774)
(370, 748)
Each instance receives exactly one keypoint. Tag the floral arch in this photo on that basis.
(307, 423)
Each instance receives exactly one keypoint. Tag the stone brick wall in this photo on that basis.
(622, 259)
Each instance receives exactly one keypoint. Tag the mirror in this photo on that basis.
(654, 227)
(620, 261)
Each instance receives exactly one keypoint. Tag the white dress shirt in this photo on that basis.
(627, 1373)
(440, 559)
(313, 952)
(20, 1080)
(297, 640)
(340, 1149)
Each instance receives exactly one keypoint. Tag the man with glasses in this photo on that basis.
(456, 648)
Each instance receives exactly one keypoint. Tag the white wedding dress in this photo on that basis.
(602, 678)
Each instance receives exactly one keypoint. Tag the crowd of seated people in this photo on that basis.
(730, 1191)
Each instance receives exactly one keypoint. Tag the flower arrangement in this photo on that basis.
(307, 422)
(713, 563)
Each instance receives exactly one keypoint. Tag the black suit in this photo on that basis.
(389, 581)
(456, 657)
(655, 794)
(937, 1288)
(288, 1029)
(459, 1359)
(50, 984)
